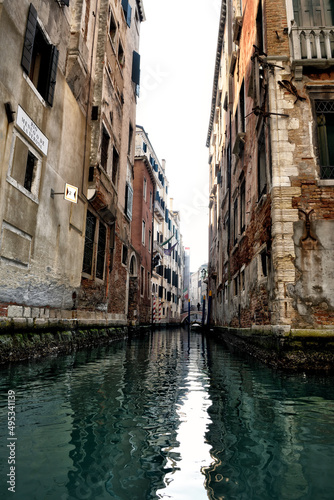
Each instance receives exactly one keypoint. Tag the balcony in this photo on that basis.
(312, 46)
(158, 211)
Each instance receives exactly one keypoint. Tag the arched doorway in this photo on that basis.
(133, 302)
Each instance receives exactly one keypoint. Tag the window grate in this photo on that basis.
(324, 106)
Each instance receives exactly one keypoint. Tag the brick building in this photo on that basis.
(144, 186)
(271, 156)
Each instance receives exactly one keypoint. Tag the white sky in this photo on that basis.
(178, 44)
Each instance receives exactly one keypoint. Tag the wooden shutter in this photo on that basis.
(52, 75)
(135, 67)
(128, 15)
(29, 39)
(127, 11)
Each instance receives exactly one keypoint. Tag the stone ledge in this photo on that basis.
(29, 344)
(280, 347)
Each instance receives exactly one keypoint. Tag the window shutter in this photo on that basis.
(128, 200)
(127, 11)
(29, 39)
(135, 67)
(52, 75)
(128, 15)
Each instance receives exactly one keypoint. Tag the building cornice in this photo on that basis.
(217, 68)
(141, 10)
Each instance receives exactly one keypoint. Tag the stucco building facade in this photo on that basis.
(270, 139)
(69, 80)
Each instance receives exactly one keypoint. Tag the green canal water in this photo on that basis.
(168, 415)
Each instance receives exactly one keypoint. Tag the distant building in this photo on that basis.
(198, 287)
(186, 280)
(271, 161)
(144, 186)
(167, 269)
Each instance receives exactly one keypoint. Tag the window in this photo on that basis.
(128, 200)
(95, 237)
(112, 27)
(143, 232)
(242, 206)
(104, 148)
(242, 108)
(149, 240)
(313, 13)
(133, 266)
(235, 221)
(115, 163)
(325, 131)
(101, 250)
(142, 280)
(261, 165)
(25, 167)
(39, 58)
(130, 139)
(121, 57)
(264, 266)
(151, 200)
(124, 255)
(145, 188)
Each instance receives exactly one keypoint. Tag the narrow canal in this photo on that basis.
(167, 415)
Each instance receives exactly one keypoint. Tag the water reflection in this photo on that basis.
(168, 415)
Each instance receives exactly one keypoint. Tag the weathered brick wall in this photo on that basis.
(118, 296)
(275, 20)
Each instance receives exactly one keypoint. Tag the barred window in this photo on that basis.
(325, 131)
(95, 238)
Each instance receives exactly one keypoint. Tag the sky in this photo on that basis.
(178, 43)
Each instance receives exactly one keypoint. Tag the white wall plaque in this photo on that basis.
(71, 193)
(25, 123)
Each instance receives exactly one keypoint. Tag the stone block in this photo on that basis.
(20, 323)
(15, 311)
(35, 312)
(27, 312)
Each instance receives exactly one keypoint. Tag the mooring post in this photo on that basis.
(209, 308)
(203, 311)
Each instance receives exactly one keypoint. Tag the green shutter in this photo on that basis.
(29, 39)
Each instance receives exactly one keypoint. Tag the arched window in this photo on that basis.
(133, 266)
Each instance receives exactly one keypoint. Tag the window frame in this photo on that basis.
(33, 194)
(46, 70)
(92, 275)
(329, 146)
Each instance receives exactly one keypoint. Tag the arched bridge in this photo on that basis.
(195, 317)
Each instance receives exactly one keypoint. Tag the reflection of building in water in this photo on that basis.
(125, 427)
(254, 434)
